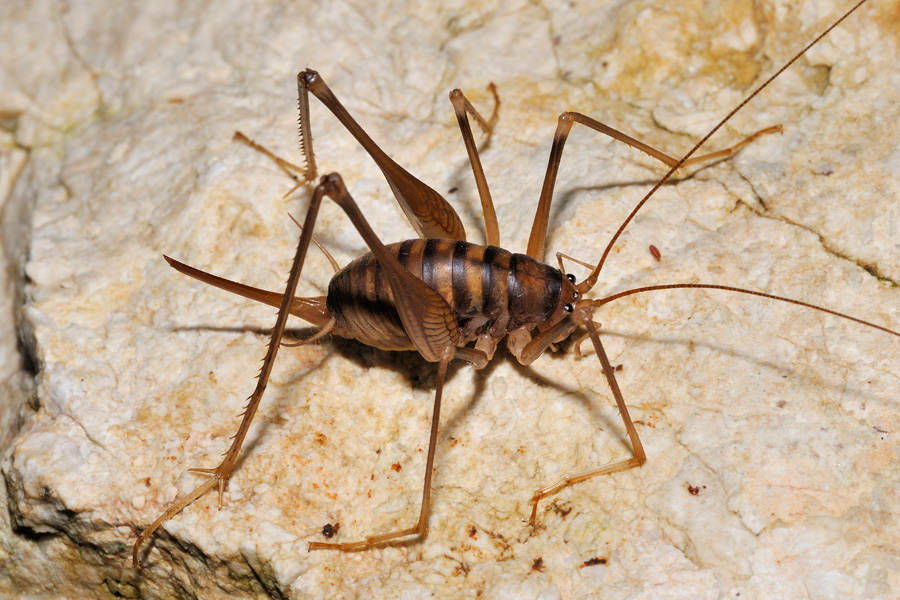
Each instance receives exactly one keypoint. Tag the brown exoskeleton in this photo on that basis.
(446, 298)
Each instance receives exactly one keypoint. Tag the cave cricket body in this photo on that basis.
(447, 298)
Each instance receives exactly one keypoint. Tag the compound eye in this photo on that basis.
(570, 277)
(568, 308)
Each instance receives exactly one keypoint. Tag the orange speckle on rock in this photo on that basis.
(591, 562)
(694, 490)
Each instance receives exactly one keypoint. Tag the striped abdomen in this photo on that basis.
(490, 289)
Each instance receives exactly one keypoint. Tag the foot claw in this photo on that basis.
(219, 477)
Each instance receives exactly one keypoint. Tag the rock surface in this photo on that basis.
(772, 431)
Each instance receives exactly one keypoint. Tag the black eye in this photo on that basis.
(570, 277)
(568, 308)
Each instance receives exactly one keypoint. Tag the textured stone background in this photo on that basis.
(116, 124)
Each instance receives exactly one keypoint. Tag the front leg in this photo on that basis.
(638, 457)
(527, 349)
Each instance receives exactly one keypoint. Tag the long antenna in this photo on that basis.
(588, 283)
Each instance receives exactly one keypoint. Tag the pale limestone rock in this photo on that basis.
(782, 421)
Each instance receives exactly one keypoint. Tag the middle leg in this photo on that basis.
(421, 525)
